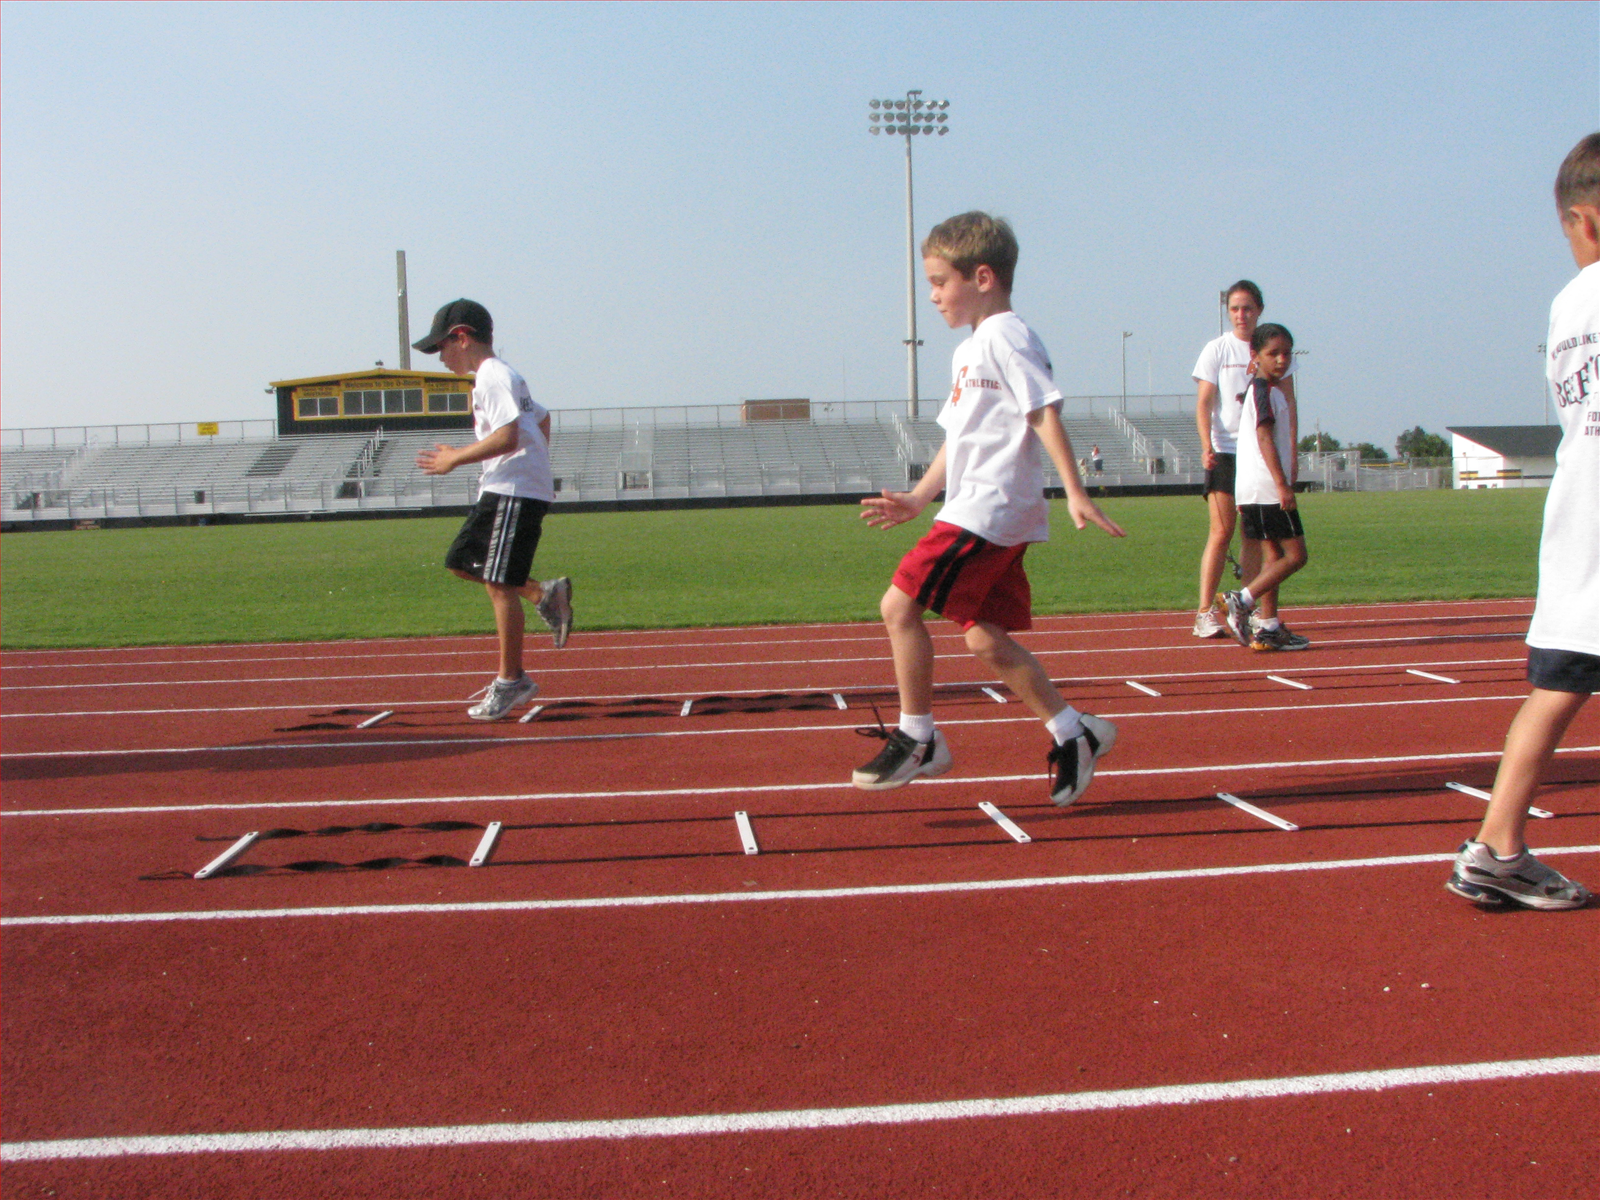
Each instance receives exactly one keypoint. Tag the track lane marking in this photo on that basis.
(805, 1119)
(1079, 680)
(663, 901)
(514, 739)
(479, 643)
(762, 788)
(742, 664)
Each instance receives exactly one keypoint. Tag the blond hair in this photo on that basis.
(973, 240)
(1578, 181)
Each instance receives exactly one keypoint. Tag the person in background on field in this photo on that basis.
(968, 567)
(1097, 459)
(1219, 376)
(496, 544)
(1496, 869)
(1270, 533)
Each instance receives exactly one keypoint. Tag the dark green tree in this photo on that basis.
(1371, 453)
(1419, 443)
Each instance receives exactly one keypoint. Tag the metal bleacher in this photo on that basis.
(597, 455)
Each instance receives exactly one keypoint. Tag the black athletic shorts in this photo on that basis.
(1220, 477)
(1269, 523)
(497, 542)
(1563, 671)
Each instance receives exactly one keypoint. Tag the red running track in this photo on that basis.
(1159, 994)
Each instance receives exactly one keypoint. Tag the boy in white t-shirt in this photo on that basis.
(1270, 531)
(968, 567)
(1496, 869)
(1220, 374)
(496, 544)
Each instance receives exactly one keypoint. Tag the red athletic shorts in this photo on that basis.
(960, 576)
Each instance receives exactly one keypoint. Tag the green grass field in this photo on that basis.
(320, 580)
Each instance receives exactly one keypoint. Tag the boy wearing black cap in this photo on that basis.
(496, 544)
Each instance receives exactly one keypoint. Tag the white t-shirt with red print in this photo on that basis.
(994, 480)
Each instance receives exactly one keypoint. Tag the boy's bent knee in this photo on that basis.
(897, 608)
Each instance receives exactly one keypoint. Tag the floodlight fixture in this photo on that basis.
(908, 118)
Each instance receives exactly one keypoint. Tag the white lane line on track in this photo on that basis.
(742, 664)
(867, 630)
(805, 1119)
(607, 697)
(763, 788)
(512, 739)
(663, 901)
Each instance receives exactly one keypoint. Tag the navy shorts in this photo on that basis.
(1269, 523)
(1563, 671)
(497, 542)
(1220, 477)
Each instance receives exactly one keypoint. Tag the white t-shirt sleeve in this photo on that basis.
(1030, 380)
(498, 406)
(1209, 364)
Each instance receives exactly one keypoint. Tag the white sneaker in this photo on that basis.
(555, 608)
(503, 695)
(1494, 882)
(1206, 625)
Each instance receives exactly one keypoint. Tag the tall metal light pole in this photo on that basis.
(1125, 336)
(405, 309)
(908, 118)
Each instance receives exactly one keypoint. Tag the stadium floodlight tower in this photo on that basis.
(908, 118)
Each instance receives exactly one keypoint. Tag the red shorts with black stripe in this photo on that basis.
(959, 575)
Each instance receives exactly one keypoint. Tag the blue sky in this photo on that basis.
(680, 204)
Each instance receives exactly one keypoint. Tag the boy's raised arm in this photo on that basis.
(1046, 422)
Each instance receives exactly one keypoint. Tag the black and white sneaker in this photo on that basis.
(1238, 616)
(1072, 763)
(555, 608)
(901, 760)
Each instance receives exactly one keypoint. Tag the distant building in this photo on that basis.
(1504, 456)
(362, 401)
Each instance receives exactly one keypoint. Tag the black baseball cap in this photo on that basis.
(458, 312)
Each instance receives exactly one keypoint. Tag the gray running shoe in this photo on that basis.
(555, 608)
(901, 760)
(1072, 763)
(1494, 882)
(1206, 625)
(1281, 638)
(1238, 616)
(502, 696)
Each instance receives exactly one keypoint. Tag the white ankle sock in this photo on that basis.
(1271, 623)
(1249, 600)
(1065, 725)
(918, 727)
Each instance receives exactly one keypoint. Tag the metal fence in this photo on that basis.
(1345, 472)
